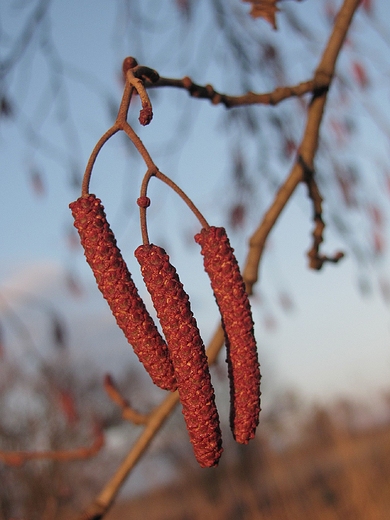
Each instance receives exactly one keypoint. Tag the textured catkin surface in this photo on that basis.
(243, 367)
(117, 287)
(187, 352)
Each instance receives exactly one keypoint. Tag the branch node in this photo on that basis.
(316, 261)
(146, 73)
(128, 63)
(322, 81)
(187, 83)
(128, 413)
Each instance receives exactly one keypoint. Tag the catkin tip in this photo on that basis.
(233, 302)
(186, 350)
(117, 287)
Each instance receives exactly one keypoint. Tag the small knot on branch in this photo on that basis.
(316, 261)
(214, 96)
(201, 92)
(187, 83)
(308, 171)
(128, 63)
(322, 80)
(143, 202)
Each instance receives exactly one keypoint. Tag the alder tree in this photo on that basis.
(176, 358)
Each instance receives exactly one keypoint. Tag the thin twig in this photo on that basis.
(17, 458)
(184, 197)
(308, 147)
(133, 76)
(95, 152)
(132, 83)
(128, 413)
(169, 182)
(250, 98)
(316, 261)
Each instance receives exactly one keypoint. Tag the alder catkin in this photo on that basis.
(187, 352)
(232, 299)
(117, 287)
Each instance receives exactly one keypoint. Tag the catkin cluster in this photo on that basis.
(231, 297)
(115, 283)
(187, 352)
(180, 361)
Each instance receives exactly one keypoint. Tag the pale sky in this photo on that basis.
(333, 340)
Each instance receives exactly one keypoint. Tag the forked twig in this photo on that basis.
(144, 201)
(128, 413)
(309, 143)
(132, 72)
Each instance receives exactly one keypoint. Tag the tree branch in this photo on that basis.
(316, 261)
(309, 143)
(17, 458)
(250, 98)
(156, 419)
(128, 413)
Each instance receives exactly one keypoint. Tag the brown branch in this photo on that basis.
(136, 76)
(128, 413)
(316, 261)
(250, 98)
(132, 74)
(17, 458)
(308, 147)
(156, 419)
(169, 182)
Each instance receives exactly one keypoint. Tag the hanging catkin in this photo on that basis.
(232, 299)
(186, 350)
(117, 287)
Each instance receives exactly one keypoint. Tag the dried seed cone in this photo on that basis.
(117, 287)
(232, 299)
(187, 352)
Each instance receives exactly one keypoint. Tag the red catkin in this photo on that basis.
(117, 287)
(186, 350)
(232, 299)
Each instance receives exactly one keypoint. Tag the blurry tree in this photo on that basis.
(269, 97)
(241, 54)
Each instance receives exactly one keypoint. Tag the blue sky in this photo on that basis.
(333, 340)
